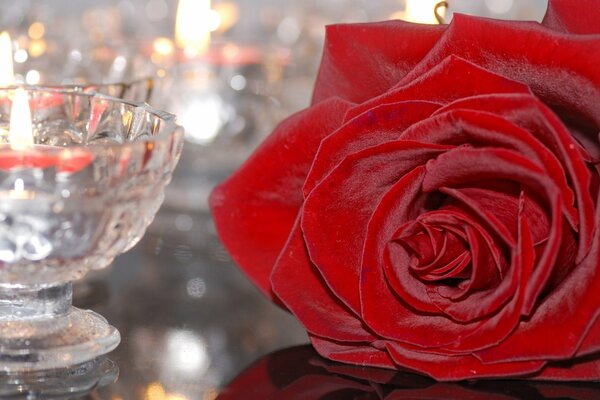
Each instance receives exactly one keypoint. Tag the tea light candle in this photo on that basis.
(21, 152)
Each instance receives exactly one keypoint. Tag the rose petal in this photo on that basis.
(464, 166)
(378, 125)
(577, 298)
(452, 79)
(337, 211)
(366, 355)
(560, 70)
(585, 369)
(534, 116)
(350, 72)
(441, 368)
(255, 209)
(485, 129)
(497, 209)
(489, 333)
(400, 204)
(300, 287)
(573, 16)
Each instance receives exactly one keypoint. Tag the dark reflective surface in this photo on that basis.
(299, 373)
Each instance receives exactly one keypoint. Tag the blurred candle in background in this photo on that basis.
(422, 11)
(194, 22)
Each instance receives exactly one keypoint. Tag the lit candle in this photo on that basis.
(20, 152)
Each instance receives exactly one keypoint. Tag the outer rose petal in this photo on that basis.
(255, 209)
(452, 79)
(441, 368)
(350, 72)
(300, 287)
(573, 16)
(561, 71)
(365, 355)
(586, 369)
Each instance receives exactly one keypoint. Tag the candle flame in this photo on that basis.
(7, 74)
(422, 11)
(20, 135)
(192, 26)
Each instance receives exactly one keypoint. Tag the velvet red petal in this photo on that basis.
(394, 48)
(577, 370)
(532, 115)
(577, 298)
(337, 211)
(300, 287)
(560, 69)
(378, 125)
(365, 355)
(452, 79)
(573, 16)
(441, 368)
(255, 209)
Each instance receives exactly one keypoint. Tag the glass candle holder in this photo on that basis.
(83, 194)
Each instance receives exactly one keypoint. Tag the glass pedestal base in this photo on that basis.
(63, 383)
(40, 330)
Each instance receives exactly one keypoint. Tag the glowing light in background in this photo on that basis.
(7, 74)
(155, 391)
(205, 117)
(193, 24)
(21, 56)
(163, 46)
(186, 353)
(421, 11)
(37, 48)
(229, 14)
(33, 77)
(36, 31)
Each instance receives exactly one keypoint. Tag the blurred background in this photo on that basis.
(230, 70)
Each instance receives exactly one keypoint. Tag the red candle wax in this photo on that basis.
(65, 160)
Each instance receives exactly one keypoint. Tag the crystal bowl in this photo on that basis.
(85, 193)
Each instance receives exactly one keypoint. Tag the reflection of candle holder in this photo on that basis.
(65, 383)
(83, 195)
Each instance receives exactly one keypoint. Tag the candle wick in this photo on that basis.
(436, 10)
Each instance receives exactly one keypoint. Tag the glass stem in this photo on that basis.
(39, 303)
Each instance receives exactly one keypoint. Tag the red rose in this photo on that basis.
(436, 206)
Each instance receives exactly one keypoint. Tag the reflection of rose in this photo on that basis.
(435, 208)
(299, 373)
